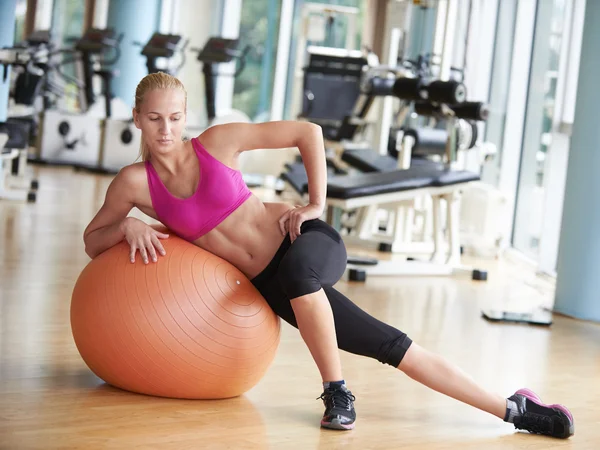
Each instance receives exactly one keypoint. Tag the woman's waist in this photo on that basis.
(249, 238)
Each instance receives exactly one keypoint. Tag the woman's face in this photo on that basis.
(161, 119)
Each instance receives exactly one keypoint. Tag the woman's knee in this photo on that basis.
(362, 334)
(393, 351)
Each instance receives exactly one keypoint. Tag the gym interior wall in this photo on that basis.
(7, 36)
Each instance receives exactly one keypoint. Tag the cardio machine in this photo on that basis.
(71, 138)
(218, 50)
(164, 46)
(28, 59)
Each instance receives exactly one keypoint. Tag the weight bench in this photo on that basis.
(395, 190)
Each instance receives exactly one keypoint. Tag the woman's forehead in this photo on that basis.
(165, 97)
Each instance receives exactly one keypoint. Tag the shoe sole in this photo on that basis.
(528, 393)
(337, 425)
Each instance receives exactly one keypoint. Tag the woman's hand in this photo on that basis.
(292, 220)
(141, 236)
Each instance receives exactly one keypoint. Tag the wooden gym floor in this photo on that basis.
(49, 399)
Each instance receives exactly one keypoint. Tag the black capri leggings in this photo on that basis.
(317, 259)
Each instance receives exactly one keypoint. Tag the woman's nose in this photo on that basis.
(165, 128)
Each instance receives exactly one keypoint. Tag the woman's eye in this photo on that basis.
(175, 119)
(154, 119)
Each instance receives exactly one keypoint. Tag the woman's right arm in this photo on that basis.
(111, 224)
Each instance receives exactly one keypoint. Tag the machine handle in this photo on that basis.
(242, 59)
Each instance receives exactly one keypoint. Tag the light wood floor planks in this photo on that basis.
(49, 398)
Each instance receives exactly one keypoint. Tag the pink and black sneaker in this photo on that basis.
(339, 408)
(527, 412)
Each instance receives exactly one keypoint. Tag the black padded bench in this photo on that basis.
(366, 191)
(367, 160)
(369, 184)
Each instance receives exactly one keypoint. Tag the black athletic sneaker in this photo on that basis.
(339, 408)
(536, 417)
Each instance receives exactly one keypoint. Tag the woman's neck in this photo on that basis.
(172, 161)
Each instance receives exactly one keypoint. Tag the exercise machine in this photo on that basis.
(75, 139)
(165, 47)
(216, 51)
(28, 59)
(400, 186)
(325, 26)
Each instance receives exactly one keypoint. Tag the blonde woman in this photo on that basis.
(292, 257)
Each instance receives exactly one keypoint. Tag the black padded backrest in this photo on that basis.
(27, 87)
(18, 133)
(328, 97)
(331, 87)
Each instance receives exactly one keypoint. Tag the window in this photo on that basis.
(501, 70)
(259, 28)
(537, 139)
(67, 23)
(20, 13)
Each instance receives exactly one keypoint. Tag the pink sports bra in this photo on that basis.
(221, 190)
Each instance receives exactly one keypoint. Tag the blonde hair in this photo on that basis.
(151, 82)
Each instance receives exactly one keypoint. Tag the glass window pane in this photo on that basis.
(20, 13)
(67, 23)
(259, 28)
(538, 126)
(501, 69)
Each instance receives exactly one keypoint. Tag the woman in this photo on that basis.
(291, 256)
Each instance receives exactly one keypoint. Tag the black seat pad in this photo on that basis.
(364, 184)
(368, 160)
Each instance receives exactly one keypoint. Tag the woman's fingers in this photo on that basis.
(132, 253)
(148, 247)
(143, 253)
(282, 222)
(292, 227)
(295, 227)
(151, 249)
(298, 223)
(156, 241)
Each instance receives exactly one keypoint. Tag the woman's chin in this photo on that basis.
(163, 147)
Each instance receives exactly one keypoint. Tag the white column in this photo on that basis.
(230, 28)
(282, 62)
(516, 107)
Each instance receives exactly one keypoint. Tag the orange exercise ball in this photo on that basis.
(189, 326)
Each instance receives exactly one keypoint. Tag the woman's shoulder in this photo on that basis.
(132, 176)
(222, 140)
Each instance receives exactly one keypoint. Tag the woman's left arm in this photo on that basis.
(236, 138)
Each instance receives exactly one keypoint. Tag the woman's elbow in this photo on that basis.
(90, 250)
(315, 128)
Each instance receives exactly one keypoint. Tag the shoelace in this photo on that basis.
(338, 398)
(535, 423)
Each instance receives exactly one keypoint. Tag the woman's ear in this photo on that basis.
(136, 119)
